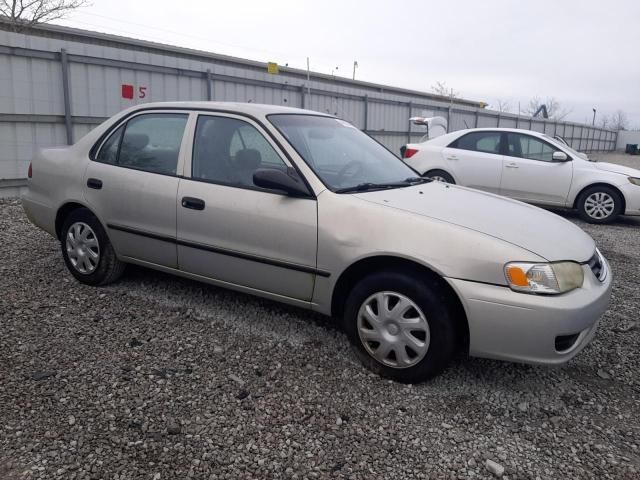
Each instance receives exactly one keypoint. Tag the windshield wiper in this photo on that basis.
(417, 180)
(368, 186)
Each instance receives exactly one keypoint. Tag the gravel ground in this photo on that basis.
(162, 378)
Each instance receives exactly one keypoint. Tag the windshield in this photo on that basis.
(560, 144)
(344, 158)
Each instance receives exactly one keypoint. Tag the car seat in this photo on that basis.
(247, 162)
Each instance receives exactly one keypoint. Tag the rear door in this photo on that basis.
(475, 160)
(531, 175)
(232, 231)
(132, 186)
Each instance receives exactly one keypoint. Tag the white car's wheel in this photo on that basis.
(599, 204)
(440, 176)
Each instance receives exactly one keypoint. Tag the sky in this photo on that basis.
(585, 54)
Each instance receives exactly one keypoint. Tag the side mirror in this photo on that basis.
(559, 156)
(274, 179)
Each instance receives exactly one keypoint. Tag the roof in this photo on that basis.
(254, 109)
(444, 139)
(97, 38)
(499, 129)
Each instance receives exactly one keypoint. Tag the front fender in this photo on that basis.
(351, 229)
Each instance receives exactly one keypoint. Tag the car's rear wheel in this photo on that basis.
(440, 176)
(87, 251)
(400, 326)
(599, 204)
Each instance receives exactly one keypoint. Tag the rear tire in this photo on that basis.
(87, 251)
(599, 204)
(440, 176)
(422, 318)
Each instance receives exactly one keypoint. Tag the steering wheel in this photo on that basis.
(353, 163)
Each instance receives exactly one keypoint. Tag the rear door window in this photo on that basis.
(109, 151)
(152, 142)
(149, 142)
(485, 142)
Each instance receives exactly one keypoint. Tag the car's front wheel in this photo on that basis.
(87, 251)
(599, 204)
(439, 176)
(400, 326)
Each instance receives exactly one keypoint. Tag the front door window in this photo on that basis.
(229, 151)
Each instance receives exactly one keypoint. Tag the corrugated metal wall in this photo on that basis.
(37, 68)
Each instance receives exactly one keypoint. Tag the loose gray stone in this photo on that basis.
(173, 428)
(495, 468)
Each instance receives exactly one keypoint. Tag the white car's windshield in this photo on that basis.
(342, 156)
(562, 145)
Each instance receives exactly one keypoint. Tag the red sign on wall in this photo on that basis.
(127, 91)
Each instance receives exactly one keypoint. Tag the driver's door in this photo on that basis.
(235, 232)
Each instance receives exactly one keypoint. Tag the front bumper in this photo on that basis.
(518, 327)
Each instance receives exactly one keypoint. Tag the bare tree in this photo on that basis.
(25, 13)
(619, 120)
(603, 121)
(502, 105)
(554, 109)
(441, 88)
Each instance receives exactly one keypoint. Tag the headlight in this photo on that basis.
(550, 278)
(634, 180)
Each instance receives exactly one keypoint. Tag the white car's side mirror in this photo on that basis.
(560, 157)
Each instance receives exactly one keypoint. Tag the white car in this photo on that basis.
(531, 167)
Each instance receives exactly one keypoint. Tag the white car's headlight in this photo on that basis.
(634, 180)
(549, 278)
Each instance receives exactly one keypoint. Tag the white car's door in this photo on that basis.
(475, 160)
(531, 174)
(235, 232)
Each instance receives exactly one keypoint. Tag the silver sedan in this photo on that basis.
(305, 209)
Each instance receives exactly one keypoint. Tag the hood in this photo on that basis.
(612, 167)
(543, 233)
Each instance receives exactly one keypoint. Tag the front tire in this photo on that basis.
(440, 176)
(599, 204)
(400, 326)
(87, 251)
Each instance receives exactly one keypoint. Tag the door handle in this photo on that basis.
(452, 157)
(512, 165)
(193, 203)
(94, 183)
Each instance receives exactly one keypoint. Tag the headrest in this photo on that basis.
(136, 141)
(248, 158)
